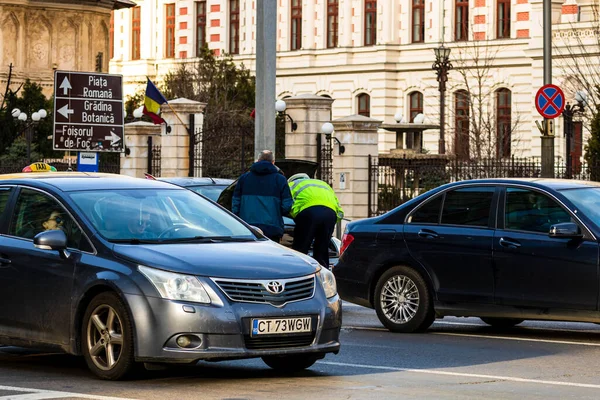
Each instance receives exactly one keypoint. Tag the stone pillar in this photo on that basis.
(310, 112)
(359, 136)
(136, 141)
(175, 158)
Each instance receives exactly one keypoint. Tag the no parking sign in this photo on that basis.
(550, 101)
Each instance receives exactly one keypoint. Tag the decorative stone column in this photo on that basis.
(175, 156)
(359, 136)
(136, 141)
(310, 112)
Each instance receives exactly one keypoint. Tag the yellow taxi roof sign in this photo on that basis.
(39, 167)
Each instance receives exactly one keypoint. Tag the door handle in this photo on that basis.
(427, 234)
(509, 243)
(4, 261)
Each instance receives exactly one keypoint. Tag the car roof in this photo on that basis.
(197, 181)
(74, 181)
(549, 183)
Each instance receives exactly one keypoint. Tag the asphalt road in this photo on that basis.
(458, 358)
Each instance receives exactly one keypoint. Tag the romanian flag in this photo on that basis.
(154, 99)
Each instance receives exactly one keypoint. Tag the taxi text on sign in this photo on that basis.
(88, 112)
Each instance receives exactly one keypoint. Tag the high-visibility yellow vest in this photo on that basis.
(313, 192)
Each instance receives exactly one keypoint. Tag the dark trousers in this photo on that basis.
(315, 223)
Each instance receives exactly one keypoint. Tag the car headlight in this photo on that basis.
(328, 282)
(175, 286)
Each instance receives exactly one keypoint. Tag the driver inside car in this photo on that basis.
(140, 226)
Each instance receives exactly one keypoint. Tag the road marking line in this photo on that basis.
(464, 374)
(38, 394)
(360, 328)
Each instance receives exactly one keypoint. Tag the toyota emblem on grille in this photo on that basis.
(274, 287)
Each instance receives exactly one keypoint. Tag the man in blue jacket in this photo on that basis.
(262, 197)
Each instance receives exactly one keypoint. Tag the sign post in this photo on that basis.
(88, 112)
(550, 103)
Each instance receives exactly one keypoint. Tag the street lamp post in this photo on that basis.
(442, 65)
(569, 126)
(29, 125)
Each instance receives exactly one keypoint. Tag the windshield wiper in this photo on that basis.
(134, 241)
(208, 239)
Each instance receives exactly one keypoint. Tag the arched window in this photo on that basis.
(414, 139)
(503, 122)
(462, 128)
(364, 105)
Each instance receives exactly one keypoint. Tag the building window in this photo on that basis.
(200, 26)
(296, 36)
(364, 105)
(234, 26)
(332, 23)
(462, 128)
(418, 21)
(413, 139)
(135, 32)
(503, 121)
(503, 19)
(370, 22)
(462, 20)
(170, 30)
(111, 36)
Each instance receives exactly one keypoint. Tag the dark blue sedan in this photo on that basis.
(126, 271)
(504, 250)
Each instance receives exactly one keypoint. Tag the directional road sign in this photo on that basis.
(550, 101)
(88, 112)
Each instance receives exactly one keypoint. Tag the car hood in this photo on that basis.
(235, 260)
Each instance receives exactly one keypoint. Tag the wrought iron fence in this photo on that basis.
(325, 158)
(154, 158)
(393, 181)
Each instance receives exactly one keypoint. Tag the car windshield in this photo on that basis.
(587, 201)
(210, 191)
(158, 216)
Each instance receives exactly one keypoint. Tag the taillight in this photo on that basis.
(346, 240)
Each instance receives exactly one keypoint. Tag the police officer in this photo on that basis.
(316, 210)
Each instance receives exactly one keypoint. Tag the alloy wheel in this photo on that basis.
(399, 299)
(105, 337)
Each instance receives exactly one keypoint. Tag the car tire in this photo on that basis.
(107, 338)
(501, 322)
(292, 363)
(403, 301)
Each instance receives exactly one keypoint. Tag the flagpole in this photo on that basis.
(177, 115)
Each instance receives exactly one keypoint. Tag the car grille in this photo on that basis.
(265, 343)
(255, 291)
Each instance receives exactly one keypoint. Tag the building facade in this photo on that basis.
(374, 58)
(38, 37)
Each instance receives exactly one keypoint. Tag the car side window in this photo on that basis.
(428, 213)
(528, 210)
(37, 212)
(469, 206)
(4, 196)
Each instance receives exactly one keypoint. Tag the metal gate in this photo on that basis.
(325, 158)
(221, 149)
(154, 158)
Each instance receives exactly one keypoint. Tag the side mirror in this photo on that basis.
(52, 240)
(565, 230)
(257, 229)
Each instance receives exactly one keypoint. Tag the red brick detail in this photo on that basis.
(523, 16)
(215, 22)
(217, 52)
(522, 33)
(183, 11)
(569, 9)
(352, 28)
(215, 38)
(215, 8)
(479, 3)
(522, 1)
(182, 26)
(479, 35)
(353, 11)
(183, 54)
(182, 39)
(315, 31)
(480, 19)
